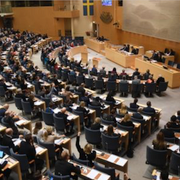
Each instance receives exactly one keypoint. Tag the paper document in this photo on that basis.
(112, 158)
(58, 141)
(145, 117)
(92, 174)
(38, 149)
(103, 177)
(70, 117)
(121, 162)
(56, 110)
(37, 103)
(17, 142)
(173, 147)
(20, 122)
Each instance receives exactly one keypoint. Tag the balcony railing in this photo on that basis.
(66, 7)
(5, 9)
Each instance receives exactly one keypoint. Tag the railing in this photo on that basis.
(66, 7)
(5, 9)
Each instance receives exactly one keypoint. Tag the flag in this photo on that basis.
(88, 7)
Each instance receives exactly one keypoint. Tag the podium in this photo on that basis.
(95, 61)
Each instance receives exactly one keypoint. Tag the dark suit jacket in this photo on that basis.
(133, 105)
(168, 133)
(137, 116)
(7, 141)
(63, 167)
(81, 109)
(26, 148)
(62, 115)
(128, 123)
(110, 98)
(96, 126)
(149, 110)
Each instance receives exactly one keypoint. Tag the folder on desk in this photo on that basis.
(92, 174)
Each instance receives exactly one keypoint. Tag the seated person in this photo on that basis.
(137, 114)
(81, 89)
(94, 70)
(114, 71)
(160, 79)
(134, 104)
(85, 153)
(3, 110)
(8, 93)
(96, 102)
(110, 98)
(178, 116)
(126, 121)
(123, 73)
(102, 71)
(63, 167)
(168, 133)
(96, 124)
(149, 109)
(173, 123)
(37, 130)
(147, 74)
(20, 95)
(159, 143)
(133, 50)
(27, 147)
(67, 93)
(112, 77)
(123, 110)
(69, 124)
(150, 79)
(136, 72)
(50, 108)
(136, 80)
(110, 117)
(7, 140)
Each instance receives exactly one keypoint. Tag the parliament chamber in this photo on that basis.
(82, 96)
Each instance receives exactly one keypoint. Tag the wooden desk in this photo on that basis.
(167, 58)
(90, 174)
(95, 61)
(111, 160)
(13, 164)
(95, 45)
(40, 104)
(170, 75)
(26, 123)
(120, 58)
(79, 50)
(141, 48)
(64, 142)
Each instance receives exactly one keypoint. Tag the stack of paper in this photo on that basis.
(104, 177)
(112, 158)
(38, 149)
(121, 162)
(58, 141)
(37, 103)
(56, 110)
(92, 174)
(173, 147)
(20, 122)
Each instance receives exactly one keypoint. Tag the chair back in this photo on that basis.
(89, 82)
(111, 86)
(107, 170)
(150, 87)
(56, 177)
(59, 123)
(92, 136)
(26, 107)
(110, 143)
(79, 94)
(162, 86)
(5, 149)
(175, 163)
(63, 97)
(18, 103)
(23, 160)
(48, 118)
(156, 157)
(123, 87)
(106, 122)
(4, 123)
(126, 128)
(2, 91)
(47, 100)
(79, 79)
(170, 140)
(99, 84)
(85, 162)
(50, 147)
(97, 108)
(71, 78)
(132, 109)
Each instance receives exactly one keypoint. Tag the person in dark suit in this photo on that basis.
(134, 104)
(168, 133)
(3, 110)
(173, 123)
(110, 98)
(69, 124)
(126, 121)
(85, 153)
(27, 147)
(160, 79)
(96, 102)
(136, 72)
(149, 109)
(133, 50)
(146, 74)
(63, 167)
(7, 92)
(20, 95)
(178, 116)
(7, 140)
(81, 89)
(112, 77)
(138, 115)
(97, 124)
(110, 117)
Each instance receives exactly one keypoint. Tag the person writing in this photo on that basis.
(85, 153)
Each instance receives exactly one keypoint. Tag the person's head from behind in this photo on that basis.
(126, 118)
(114, 69)
(135, 101)
(9, 131)
(49, 130)
(97, 120)
(160, 137)
(28, 138)
(173, 118)
(82, 104)
(140, 109)
(164, 175)
(149, 103)
(65, 155)
(67, 88)
(38, 125)
(135, 77)
(110, 130)
(136, 69)
(178, 113)
(88, 148)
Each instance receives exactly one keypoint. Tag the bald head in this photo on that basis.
(63, 110)
(9, 131)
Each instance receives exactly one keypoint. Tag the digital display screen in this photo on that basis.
(107, 2)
